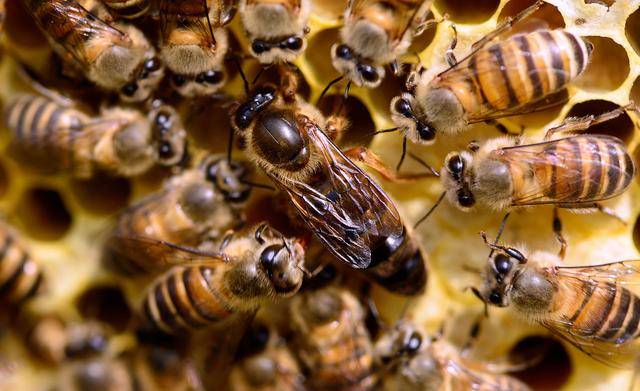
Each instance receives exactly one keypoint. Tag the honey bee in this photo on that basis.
(518, 75)
(332, 341)
(376, 33)
(99, 373)
(591, 307)
(200, 203)
(249, 270)
(348, 212)
(418, 363)
(276, 29)
(117, 57)
(194, 43)
(128, 9)
(119, 141)
(20, 276)
(265, 364)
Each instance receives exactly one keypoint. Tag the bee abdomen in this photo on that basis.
(347, 362)
(20, 276)
(185, 298)
(128, 9)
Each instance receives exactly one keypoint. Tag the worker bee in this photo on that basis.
(332, 342)
(418, 363)
(591, 307)
(128, 9)
(248, 270)
(276, 29)
(119, 141)
(194, 43)
(20, 276)
(521, 74)
(265, 363)
(117, 57)
(376, 33)
(342, 206)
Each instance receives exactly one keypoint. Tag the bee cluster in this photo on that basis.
(222, 194)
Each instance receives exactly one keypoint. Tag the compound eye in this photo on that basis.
(455, 164)
(293, 43)
(152, 64)
(495, 298)
(213, 77)
(465, 198)
(502, 263)
(129, 89)
(403, 107)
(259, 47)
(414, 343)
(163, 119)
(165, 151)
(178, 80)
(343, 52)
(212, 172)
(368, 72)
(426, 132)
(268, 258)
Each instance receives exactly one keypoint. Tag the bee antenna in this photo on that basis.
(424, 164)
(260, 72)
(245, 82)
(390, 130)
(230, 145)
(476, 292)
(346, 90)
(331, 83)
(438, 201)
(503, 224)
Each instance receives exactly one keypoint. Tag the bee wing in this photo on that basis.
(166, 253)
(223, 11)
(193, 13)
(459, 377)
(558, 158)
(624, 273)
(348, 212)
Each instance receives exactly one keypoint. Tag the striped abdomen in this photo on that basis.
(20, 276)
(188, 297)
(517, 71)
(128, 9)
(603, 310)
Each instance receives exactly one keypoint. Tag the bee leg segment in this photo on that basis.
(404, 153)
(501, 128)
(449, 55)
(365, 156)
(557, 230)
(579, 124)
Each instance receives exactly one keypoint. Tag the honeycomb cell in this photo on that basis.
(636, 227)
(43, 214)
(101, 195)
(547, 363)
(318, 55)
(468, 11)
(207, 122)
(621, 126)
(632, 30)
(106, 304)
(634, 95)
(606, 55)
(547, 16)
(331, 10)
(361, 126)
(422, 41)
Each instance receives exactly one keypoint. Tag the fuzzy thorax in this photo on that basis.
(267, 21)
(194, 58)
(440, 108)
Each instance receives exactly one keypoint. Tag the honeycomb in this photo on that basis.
(63, 219)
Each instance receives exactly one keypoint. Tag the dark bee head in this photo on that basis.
(146, 78)
(202, 84)
(281, 259)
(500, 274)
(246, 112)
(278, 139)
(355, 68)
(168, 134)
(228, 178)
(401, 343)
(417, 129)
(457, 178)
(282, 49)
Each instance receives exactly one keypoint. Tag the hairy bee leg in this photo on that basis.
(580, 124)
(364, 155)
(449, 55)
(336, 125)
(556, 225)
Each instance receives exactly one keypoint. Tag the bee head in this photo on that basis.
(282, 49)
(404, 116)
(246, 112)
(280, 259)
(403, 342)
(146, 78)
(348, 63)
(202, 84)
(228, 178)
(457, 178)
(169, 136)
(500, 274)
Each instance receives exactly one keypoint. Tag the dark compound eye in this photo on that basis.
(368, 72)
(178, 80)
(343, 52)
(268, 258)
(130, 89)
(403, 107)
(213, 77)
(455, 164)
(163, 118)
(502, 263)
(414, 343)
(165, 151)
(152, 64)
(425, 131)
(259, 47)
(495, 298)
(293, 43)
(465, 198)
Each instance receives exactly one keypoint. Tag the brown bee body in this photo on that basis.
(570, 172)
(195, 43)
(592, 307)
(332, 340)
(276, 28)
(115, 57)
(119, 141)
(201, 203)
(128, 9)
(20, 275)
(249, 271)
(376, 33)
(510, 77)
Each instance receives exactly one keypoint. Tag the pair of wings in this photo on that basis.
(626, 275)
(565, 158)
(202, 16)
(347, 211)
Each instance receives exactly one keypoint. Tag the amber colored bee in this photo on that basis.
(276, 28)
(249, 270)
(200, 203)
(331, 339)
(412, 362)
(20, 276)
(128, 9)
(194, 43)
(159, 367)
(348, 212)
(591, 307)
(117, 57)
(265, 364)
(513, 76)
(376, 33)
(119, 141)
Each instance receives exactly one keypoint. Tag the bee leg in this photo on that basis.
(404, 153)
(364, 155)
(501, 128)
(449, 55)
(394, 67)
(335, 127)
(474, 332)
(557, 230)
(580, 124)
(288, 82)
(609, 212)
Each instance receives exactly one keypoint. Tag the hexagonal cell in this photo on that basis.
(552, 365)
(43, 214)
(547, 16)
(634, 94)
(361, 126)
(419, 43)
(632, 30)
(468, 11)
(390, 87)
(101, 195)
(621, 126)
(636, 231)
(332, 9)
(106, 304)
(318, 55)
(606, 55)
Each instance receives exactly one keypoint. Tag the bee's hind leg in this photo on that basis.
(557, 230)
(581, 124)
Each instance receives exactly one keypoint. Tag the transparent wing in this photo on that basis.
(188, 14)
(348, 211)
(459, 377)
(167, 253)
